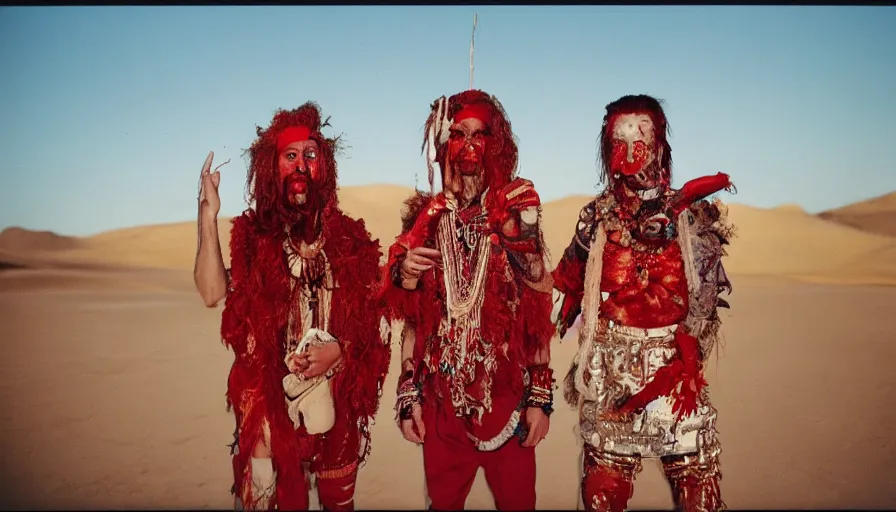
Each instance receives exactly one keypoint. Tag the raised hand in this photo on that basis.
(209, 200)
(516, 200)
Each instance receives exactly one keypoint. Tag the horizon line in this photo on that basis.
(413, 189)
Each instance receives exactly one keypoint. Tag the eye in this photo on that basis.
(310, 154)
(291, 155)
(455, 134)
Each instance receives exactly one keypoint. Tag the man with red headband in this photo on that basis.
(644, 270)
(301, 319)
(469, 277)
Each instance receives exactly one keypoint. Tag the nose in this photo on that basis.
(630, 154)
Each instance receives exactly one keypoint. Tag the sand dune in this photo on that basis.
(876, 215)
(19, 239)
(783, 241)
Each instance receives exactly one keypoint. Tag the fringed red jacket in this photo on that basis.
(254, 322)
(515, 323)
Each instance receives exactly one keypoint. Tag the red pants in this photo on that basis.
(450, 462)
(337, 493)
(333, 493)
(335, 485)
(607, 484)
(258, 398)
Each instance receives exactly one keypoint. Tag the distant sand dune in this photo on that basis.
(782, 241)
(876, 215)
(26, 240)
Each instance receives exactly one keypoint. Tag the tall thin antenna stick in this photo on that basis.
(472, 40)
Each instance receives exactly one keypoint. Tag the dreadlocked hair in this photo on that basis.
(634, 104)
(263, 185)
(502, 154)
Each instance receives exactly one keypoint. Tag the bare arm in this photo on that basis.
(541, 356)
(209, 274)
(407, 348)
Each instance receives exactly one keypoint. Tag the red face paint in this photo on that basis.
(629, 166)
(298, 163)
(635, 154)
(467, 144)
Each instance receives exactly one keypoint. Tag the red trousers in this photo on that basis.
(258, 398)
(608, 481)
(451, 460)
(334, 494)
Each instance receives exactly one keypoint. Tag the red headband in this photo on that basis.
(292, 134)
(478, 111)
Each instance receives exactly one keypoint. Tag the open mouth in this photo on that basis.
(649, 194)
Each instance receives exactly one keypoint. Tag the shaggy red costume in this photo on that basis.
(479, 322)
(263, 306)
(644, 270)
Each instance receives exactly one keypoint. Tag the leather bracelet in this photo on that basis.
(547, 408)
(408, 395)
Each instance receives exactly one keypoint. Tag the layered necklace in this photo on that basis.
(463, 246)
(310, 270)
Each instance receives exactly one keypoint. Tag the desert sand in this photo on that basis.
(114, 374)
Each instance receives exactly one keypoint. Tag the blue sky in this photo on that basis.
(107, 113)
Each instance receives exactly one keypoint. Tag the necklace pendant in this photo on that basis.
(472, 238)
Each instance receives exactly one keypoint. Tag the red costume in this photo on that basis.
(644, 270)
(480, 320)
(280, 284)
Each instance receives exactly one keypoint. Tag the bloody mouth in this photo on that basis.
(298, 186)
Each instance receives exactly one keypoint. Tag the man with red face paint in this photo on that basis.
(469, 277)
(644, 270)
(301, 319)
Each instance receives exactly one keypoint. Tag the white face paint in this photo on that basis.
(634, 154)
(632, 128)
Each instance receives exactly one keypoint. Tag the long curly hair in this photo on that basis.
(634, 104)
(501, 155)
(263, 184)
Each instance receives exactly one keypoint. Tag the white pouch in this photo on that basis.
(310, 401)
